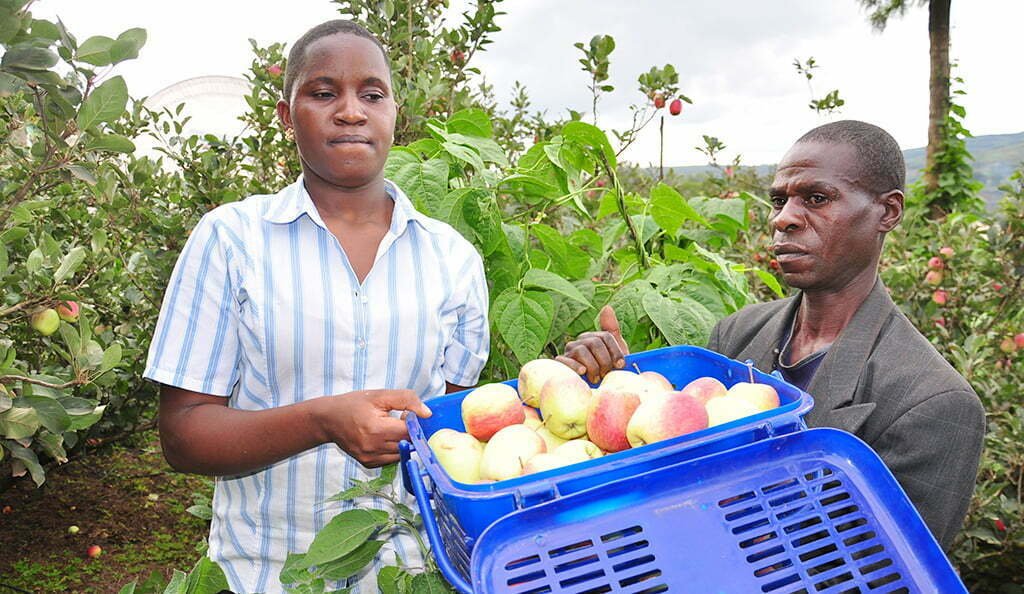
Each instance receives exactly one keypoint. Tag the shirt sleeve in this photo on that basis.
(195, 345)
(466, 354)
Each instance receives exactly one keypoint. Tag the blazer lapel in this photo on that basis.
(762, 347)
(836, 381)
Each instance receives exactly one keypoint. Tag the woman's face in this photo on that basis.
(342, 111)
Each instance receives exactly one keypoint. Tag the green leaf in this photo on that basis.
(353, 562)
(113, 143)
(465, 154)
(81, 172)
(13, 234)
(430, 583)
(568, 259)
(10, 84)
(29, 58)
(670, 211)
(49, 411)
(178, 583)
(682, 321)
(34, 262)
(99, 240)
(53, 444)
(591, 137)
(524, 321)
(543, 279)
(471, 122)
(293, 571)
(206, 577)
(6, 402)
(95, 51)
(84, 421)
(425, 183)
(127, 45)
(69, 265)
(128, 588)
(390, 579)
(19, 422)
(387, 476)
(3, 261)
(71, 338)
(343, 534)
(105, 104)
(770, 281)
(111, 358)
(28, 459)
(203, 512)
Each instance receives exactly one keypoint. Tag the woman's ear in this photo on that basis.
(892, 202)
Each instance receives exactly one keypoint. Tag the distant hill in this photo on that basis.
(996, 157)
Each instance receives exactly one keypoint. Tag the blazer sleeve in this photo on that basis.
(934, 450)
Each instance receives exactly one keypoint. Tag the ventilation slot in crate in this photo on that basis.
(619, 561)
(809, 535)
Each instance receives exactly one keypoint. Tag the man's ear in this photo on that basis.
(284, 113)
(892, 202)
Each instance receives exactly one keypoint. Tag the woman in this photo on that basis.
(295, 324)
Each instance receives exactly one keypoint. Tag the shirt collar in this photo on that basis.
(294, 201)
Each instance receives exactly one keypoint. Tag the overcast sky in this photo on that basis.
(734, 59)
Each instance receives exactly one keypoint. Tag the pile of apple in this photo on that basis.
(507, 437)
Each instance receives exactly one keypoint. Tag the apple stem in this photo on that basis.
(750, 370)
(636, 367)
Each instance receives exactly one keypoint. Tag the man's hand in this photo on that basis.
(361, 424)
(597, 353)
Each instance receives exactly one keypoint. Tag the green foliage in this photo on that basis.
(64, 131)
(828, 104)
(957, 190)
(429, 59)
(983, 281)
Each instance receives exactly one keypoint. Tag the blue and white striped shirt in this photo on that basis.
(263, 307)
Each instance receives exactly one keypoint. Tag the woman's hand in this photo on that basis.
(361, 422)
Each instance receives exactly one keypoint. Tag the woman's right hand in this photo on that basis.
(360, 423)
(597, 353)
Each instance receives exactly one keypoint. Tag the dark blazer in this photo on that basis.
(884, 382)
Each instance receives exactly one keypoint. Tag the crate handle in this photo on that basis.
(405, 454)
(411, 470)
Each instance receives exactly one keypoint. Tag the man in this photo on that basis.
(836, 194)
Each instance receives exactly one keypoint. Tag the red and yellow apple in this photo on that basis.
(608, 417)
(704, 389)
(545, 461)
(664, 416)
(490, 408)
(762, 396)
(564, 402)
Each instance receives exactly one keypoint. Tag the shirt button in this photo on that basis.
(362, 343)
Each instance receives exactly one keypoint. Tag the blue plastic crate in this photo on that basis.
(813, 511)
(463, 511)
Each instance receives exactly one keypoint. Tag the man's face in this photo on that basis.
(827, 227)
(342, 111)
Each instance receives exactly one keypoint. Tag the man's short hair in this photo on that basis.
(881, 164)
(297, 55)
